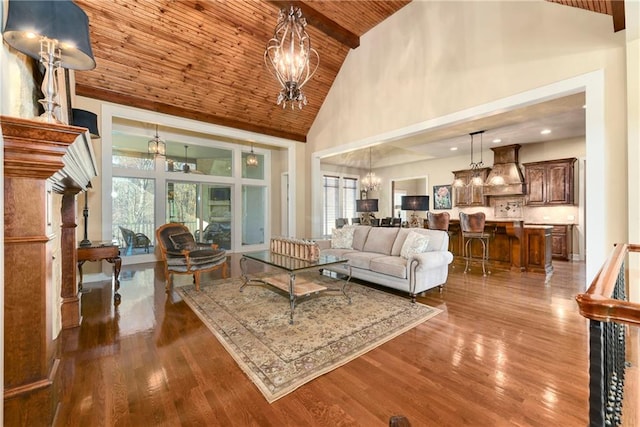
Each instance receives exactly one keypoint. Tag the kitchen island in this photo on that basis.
(512, 246)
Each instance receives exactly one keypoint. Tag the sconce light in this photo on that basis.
(56, 33)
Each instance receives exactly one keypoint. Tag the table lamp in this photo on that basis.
(414, 203)
(56, 33)
(85, 119)
(368, 206)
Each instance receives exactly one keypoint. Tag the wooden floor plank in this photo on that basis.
(508, 349)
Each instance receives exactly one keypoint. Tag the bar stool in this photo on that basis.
(440, 221)
(472, 227)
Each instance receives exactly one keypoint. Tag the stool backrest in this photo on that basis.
(472, 223)
(438, 221)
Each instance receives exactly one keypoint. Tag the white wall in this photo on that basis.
(632, 12)
(434, 60)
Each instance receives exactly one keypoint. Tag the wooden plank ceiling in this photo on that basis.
(615, 8)
(203, 59)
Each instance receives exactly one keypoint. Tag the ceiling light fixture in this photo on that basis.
(252, 159)
(545, 132)
(476, 179)
(156, 146)
(497, 141)
(371, 182)
(185, 166)
(290, 57)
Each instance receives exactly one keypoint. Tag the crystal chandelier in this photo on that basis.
(156, 146)
(371, 182)
(476, 179)
(290, 57)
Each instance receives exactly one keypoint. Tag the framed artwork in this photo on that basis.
(442, 197)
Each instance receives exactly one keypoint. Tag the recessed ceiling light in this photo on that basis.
(545, 132)
(453, 148)
(497, 140)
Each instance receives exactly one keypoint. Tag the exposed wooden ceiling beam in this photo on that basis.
(322, 23)
(617, 9)
(119, 98)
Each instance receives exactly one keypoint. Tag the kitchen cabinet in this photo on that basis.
(469, 195)
(538, 248)
(562, 242)
(506, 245)
(550, 182)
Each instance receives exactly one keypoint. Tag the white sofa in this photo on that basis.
(375, 256)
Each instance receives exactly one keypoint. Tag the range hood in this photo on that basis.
(505, 178)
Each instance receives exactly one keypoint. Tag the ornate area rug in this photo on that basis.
(253, 325)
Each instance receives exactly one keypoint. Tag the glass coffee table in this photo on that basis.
(296, 289)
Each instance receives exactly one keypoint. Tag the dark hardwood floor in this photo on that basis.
(508, 349)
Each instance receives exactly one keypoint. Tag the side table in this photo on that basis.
(99, 251)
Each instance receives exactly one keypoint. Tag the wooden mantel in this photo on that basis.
(36, 155)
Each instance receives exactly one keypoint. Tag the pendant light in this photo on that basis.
(290, 57)
(371, 182)
(156, 146)
(252, 159)
(185, 165)
(476, 179)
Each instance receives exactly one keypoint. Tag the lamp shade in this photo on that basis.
(367, 205)
(61, 20)
(414, 203)
(85, 119)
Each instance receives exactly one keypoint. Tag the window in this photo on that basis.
(349, 196)
(132, 209)
(199, 183)
(331, 202)
(253, 172)
(129, 159)
(339, 201)
(254, 204)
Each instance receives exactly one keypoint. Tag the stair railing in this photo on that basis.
(610, 313)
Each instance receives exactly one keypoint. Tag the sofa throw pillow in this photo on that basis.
(415, 243)
(183, 241)
(342, 238)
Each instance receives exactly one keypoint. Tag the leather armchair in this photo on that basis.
(182, 255)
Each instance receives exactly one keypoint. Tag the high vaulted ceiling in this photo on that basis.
(203, 59)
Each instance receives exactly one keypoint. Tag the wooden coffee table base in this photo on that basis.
(287, 283)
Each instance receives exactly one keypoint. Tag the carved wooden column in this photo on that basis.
(71, 311)
(34, 152)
